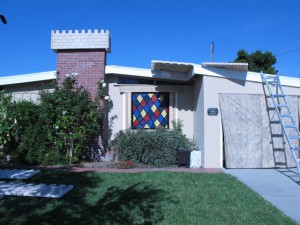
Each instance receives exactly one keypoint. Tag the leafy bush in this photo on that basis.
(158, 147)
(8, 125)
(30, 133)
(72, 119)
(61, 129)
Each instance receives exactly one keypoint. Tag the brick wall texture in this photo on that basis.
(88, 64)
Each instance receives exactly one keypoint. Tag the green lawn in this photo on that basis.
(143, 198)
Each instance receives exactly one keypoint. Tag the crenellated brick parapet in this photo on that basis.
(81, 53)
(80, 39)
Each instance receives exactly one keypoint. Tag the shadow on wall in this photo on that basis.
(184, 94)
(108, 122)
(236, 76)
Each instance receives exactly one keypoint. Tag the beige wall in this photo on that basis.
(198, 113)
(210, 138)
(27, 91)
(119, 118)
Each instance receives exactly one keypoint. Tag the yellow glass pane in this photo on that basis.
(153, 108)
(143, 113)
(157, 123)
(139, 98)
(164, 113)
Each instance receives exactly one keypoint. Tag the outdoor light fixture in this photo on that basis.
(3, 19)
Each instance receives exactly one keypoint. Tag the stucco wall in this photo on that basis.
(28, 91)
(119, 117)
(198, 113)
(185, 110)
(211, 143)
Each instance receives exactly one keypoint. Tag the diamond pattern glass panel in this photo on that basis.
(150, 110)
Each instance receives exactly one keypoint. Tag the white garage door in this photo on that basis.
(247, 137)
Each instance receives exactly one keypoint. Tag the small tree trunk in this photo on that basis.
(71, 150)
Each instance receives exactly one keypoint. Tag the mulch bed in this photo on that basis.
(110, 167)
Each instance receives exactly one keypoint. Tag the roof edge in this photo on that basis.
(231, 66)
(26, 78)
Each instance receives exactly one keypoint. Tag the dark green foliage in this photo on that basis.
(30, 133)
(7, 125)
(258, 61)
(27, 113)
(154, 147)
(71, 119)
(34, 146)
(60, 129)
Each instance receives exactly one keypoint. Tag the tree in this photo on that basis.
(7, 125)
(257, 61)
(71, 117)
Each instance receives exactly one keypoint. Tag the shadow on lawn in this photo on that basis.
(87, 203)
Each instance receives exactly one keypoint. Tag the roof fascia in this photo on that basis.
(145, 73)
(27, 78)
(241, 75)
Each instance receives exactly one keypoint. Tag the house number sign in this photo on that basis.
(212, 111)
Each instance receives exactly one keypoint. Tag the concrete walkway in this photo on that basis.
(279, 187)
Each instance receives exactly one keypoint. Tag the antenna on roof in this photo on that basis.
(212, 48)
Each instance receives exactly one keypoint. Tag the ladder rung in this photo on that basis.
(296, 149)
(269, 80)
(281, 105)
(277, 135)
(275, 122)
(290, 126)
(271, 108)
(270, 75)
(294, 137)
(278, 149)
(285, 116)
(280, 163)
(279, 95)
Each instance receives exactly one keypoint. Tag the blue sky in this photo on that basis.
(141, 31)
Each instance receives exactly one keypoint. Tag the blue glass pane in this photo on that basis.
(150, 110)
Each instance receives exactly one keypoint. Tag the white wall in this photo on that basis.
(186, 109)
(212, 140)
(181, 104)
(198, 114)
(27, 91)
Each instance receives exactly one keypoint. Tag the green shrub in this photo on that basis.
(62, 128)
(8, 125)
(153, 147)
(71, 119)
(29, 137)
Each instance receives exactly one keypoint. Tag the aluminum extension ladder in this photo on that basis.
(284, 114)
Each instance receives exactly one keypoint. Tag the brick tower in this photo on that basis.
(82, 54)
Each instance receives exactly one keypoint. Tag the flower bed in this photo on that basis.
(124, 164)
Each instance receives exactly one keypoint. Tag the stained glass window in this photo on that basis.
(150, 110)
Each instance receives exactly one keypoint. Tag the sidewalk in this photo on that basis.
(281, 188)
